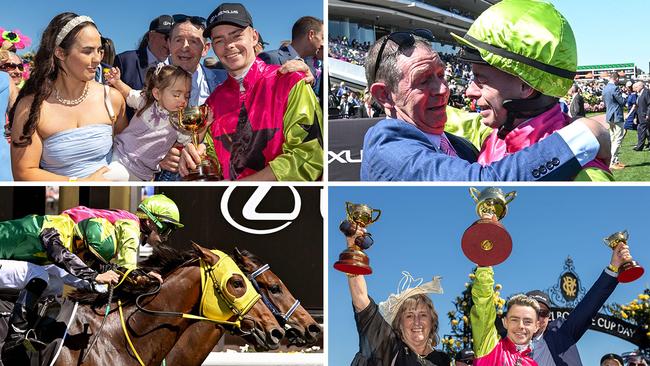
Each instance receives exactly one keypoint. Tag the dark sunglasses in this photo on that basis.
(12, 66)
(180, 18)
(544, 313)
(404, 39)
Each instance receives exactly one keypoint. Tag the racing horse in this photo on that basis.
(199, 339)
(203, 281)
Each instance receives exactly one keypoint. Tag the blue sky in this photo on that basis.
(609, 31)
(126, 21)
(420, 230)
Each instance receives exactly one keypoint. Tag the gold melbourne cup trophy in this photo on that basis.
(354, 260)
(630, 270)
(486, 242)
(193, 119)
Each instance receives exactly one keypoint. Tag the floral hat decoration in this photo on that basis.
(407, 287)
(14, 39)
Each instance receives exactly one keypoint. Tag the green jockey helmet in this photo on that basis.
(159, 208)
(529, 39)
(98, 236)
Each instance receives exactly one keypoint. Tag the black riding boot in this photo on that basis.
(19, 321)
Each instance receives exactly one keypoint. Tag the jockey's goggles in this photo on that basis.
(164, 228)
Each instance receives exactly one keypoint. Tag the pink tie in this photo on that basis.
(446, 147)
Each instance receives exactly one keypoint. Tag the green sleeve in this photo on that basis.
(127, 233)
(302, 150)
(467, 125)
(483, 313)
(594, 175)
(209, 146)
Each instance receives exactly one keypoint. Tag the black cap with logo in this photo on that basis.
(228, 13)
(612, 356)
(162, 24)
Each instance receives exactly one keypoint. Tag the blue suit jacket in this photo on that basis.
(562, 335)
(133, 67)
(214, 77)
(614, 103)
(279, 56)
(394, 150)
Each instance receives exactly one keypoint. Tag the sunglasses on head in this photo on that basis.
(9, 66)
(180, 18)
(403, 39)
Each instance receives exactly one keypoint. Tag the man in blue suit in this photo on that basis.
(306, 41)
(614, 103)
(554, 344)
(407, 78)
(153, 49)
(306, 44)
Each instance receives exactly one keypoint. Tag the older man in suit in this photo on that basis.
(404, 75)
(614, 103)
(642, 102)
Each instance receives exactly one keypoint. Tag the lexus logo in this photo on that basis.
(249, 211)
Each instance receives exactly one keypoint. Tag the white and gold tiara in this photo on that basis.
(70, 26)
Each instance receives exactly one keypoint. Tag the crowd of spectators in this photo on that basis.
(354, 52)
(345, 102)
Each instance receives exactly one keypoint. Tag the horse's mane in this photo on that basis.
(255, 259)
(163, 260)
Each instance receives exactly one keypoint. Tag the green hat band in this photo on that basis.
(567, 74)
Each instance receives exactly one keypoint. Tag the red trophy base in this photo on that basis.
(353, 262)
(486, 242)
(630, 271)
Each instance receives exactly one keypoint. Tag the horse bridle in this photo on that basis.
(281, 318)
(236, 324)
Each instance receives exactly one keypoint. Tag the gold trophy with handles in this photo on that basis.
(193, 119)
(487, 242)
(630, 270)
(354, 260)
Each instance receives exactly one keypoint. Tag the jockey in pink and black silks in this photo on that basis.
(267, 125)
(157, 217)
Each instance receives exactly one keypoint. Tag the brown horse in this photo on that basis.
(199, 339)
(154, 336)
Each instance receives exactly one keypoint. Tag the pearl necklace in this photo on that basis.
(72, 102)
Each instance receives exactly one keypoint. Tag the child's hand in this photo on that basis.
(112, 75)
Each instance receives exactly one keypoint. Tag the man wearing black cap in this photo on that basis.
(152, 50)
(268, 125)
(465, 357)
(611, 359)
(554, 344)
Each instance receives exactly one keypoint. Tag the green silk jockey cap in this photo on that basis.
(162, 207)
(98, 235)
(529, 39)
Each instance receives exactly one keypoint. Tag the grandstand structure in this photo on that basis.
(627, 71)
(368, 20)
